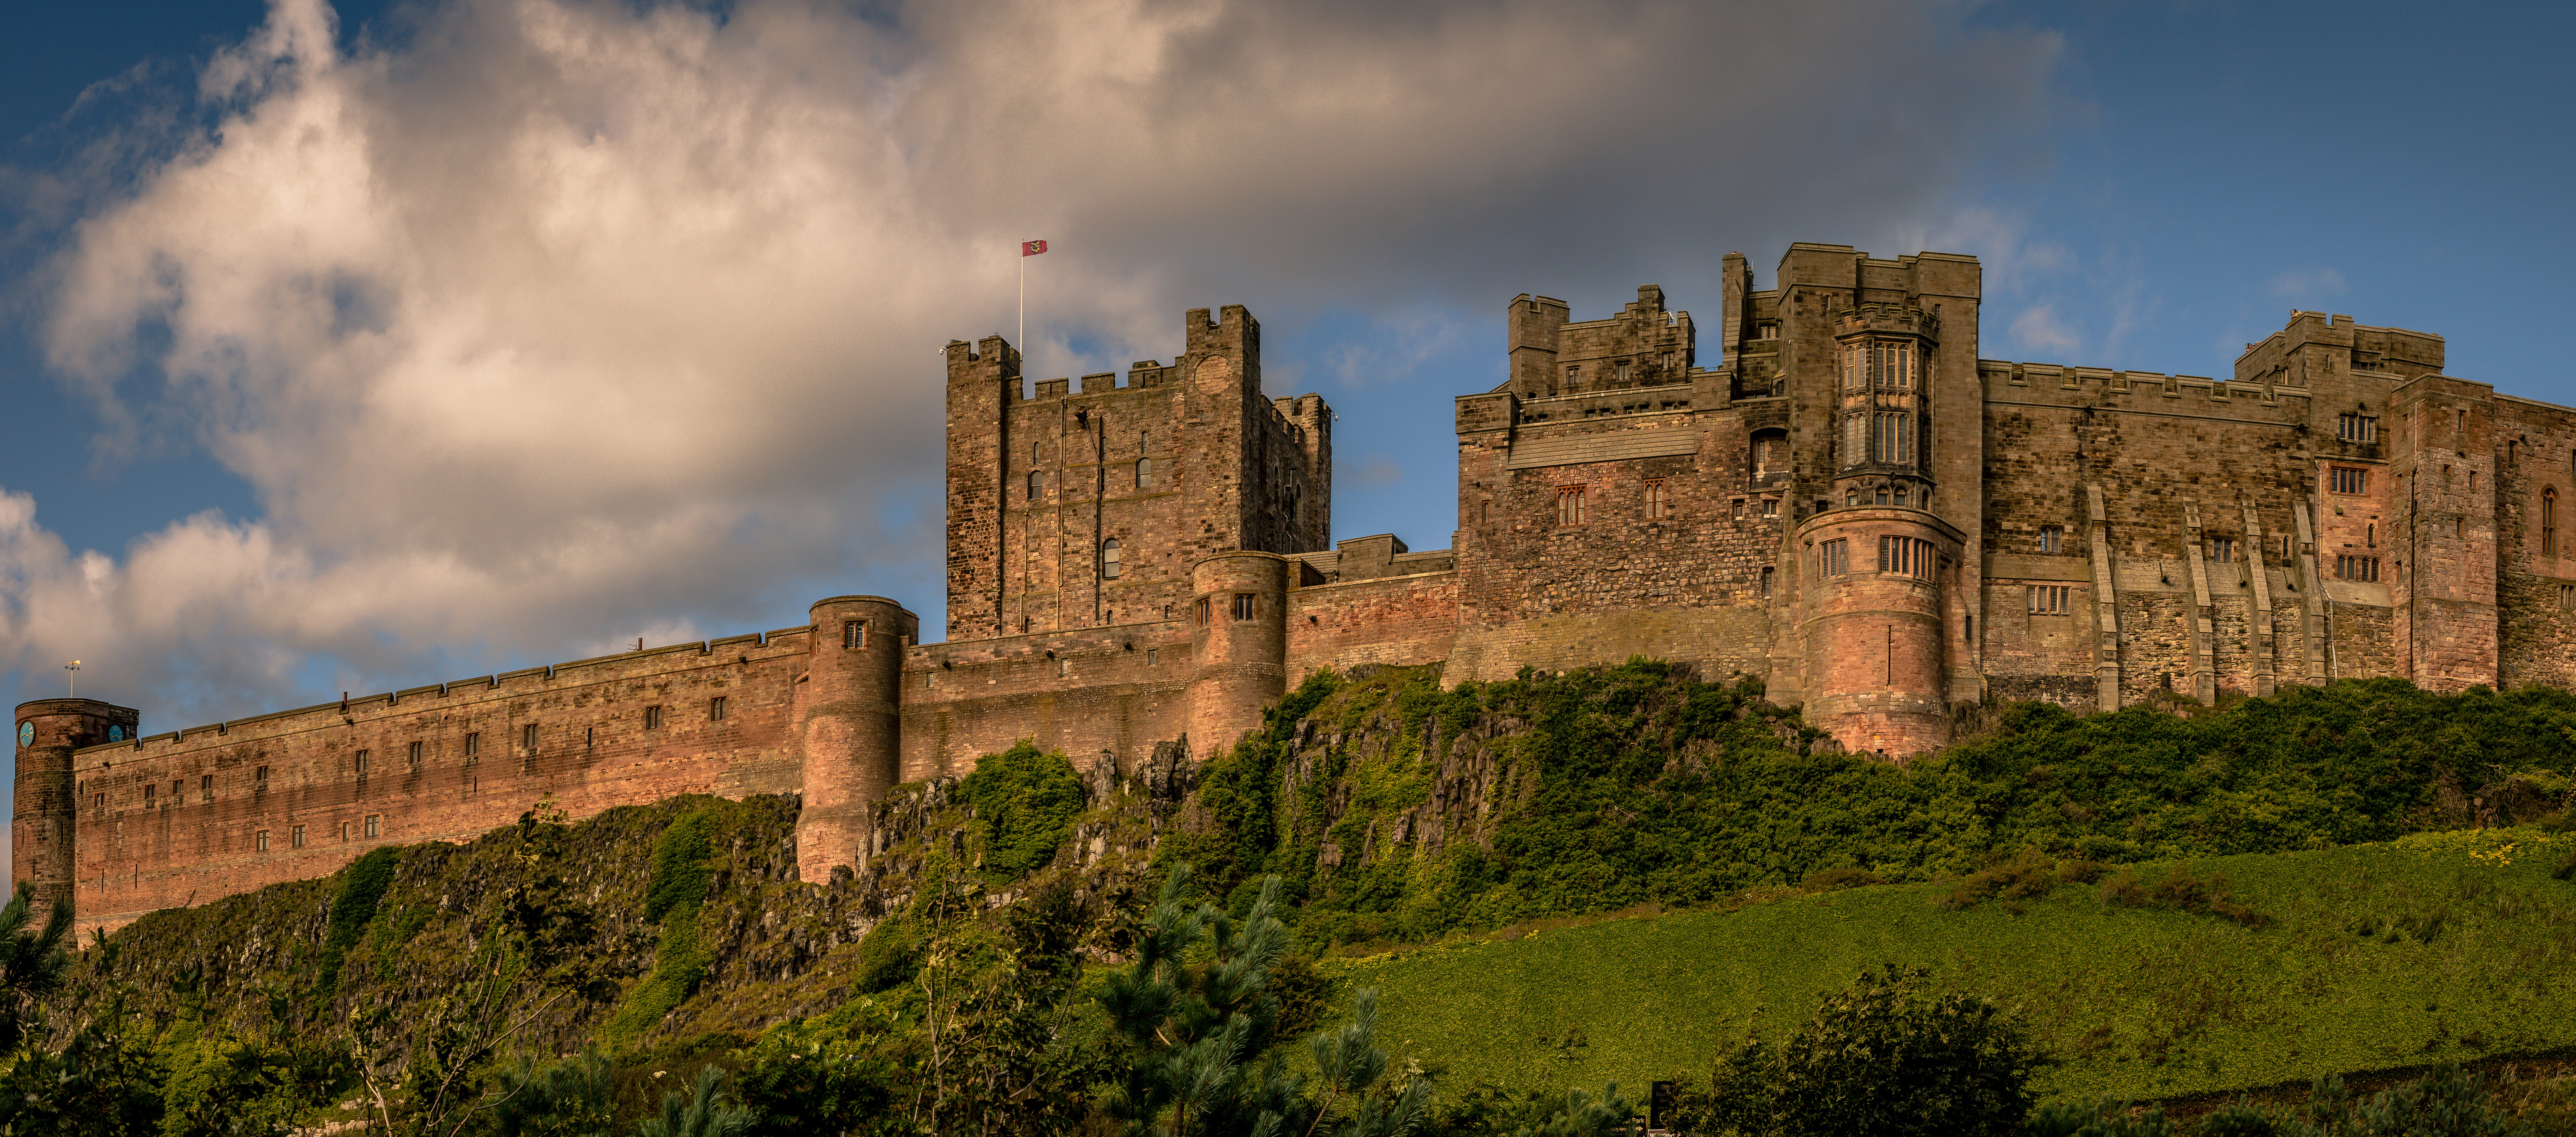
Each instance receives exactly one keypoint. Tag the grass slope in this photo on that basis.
(2433, 946)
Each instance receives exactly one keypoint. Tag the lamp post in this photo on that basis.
(73, 678)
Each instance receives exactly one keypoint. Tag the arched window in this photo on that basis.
(1036, 485)
(1109, 559)
(1144, 473)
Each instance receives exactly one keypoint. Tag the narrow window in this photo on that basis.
(2049, 537)
(1851, 497)
(147, 795)
(1900, 493)
(1063, 668)
(1738, 509)
(652, 718)
(2549, 522)
(473, 749)
(2370, 536)
(1770, 507)
(1144, 473)
(1655, 507)
(1243, 606)
(261, 840)
(1766, 582)
(2567, 596)
(854, 635)
(1484, 513)
(344, 832)
(1202, 614)
(1153, 656)
(2222, 550)
(1109, 559)
(259, 781)
(1623, 373)
(716, 709)
(1833, 557)
(528, 736)
(178, 792)
(205, 787)
(375, 825)
(295, 837)
(358, 765)
(590, 738)
(98, 802)
(414, 758)
(1035, 485)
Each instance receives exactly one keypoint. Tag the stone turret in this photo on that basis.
(45, 819)
(851, 726)
(1240, 641)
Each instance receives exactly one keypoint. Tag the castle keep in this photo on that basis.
(1844, 500)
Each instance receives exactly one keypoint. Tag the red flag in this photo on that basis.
(1032, 248)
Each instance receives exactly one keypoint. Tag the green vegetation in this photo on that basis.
(2207, 975)
(678, 887)
(1024, 803)
(1637, 785)
(362, 888)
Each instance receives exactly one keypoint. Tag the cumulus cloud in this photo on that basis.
(564, 320)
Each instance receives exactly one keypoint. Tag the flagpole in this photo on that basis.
(1023, 342)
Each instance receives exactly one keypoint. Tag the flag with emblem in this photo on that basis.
(1032, 248)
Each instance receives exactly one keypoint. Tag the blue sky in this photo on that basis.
(345, 349)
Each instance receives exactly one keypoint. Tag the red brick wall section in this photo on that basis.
(1398, 619)
(1089, 693)
(594, 751)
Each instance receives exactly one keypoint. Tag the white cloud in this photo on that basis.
(2038, 331)
(565, 316)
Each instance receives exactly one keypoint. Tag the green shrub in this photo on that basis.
(1885, 1057)
(362, 889)
(1025, 801)
(680, 869)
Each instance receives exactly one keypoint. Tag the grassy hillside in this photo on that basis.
(2438, 946)
(1398, 810)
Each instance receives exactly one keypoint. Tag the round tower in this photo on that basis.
(851, 726)
(42, 828)
(1871, 622)
(1239, 642)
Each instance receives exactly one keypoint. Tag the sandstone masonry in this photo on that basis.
(1848, 503)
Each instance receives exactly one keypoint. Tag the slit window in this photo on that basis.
(414, 758)
(1243, 606)
(2549, 522)
(716, 709)
(344, 832)
(2050, 599)
(98, 802)
(2347, 479)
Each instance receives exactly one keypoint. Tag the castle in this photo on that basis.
(1849, 504)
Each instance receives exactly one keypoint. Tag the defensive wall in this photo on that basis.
(1846, 501)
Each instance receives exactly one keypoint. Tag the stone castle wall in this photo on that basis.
(2334, 508)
